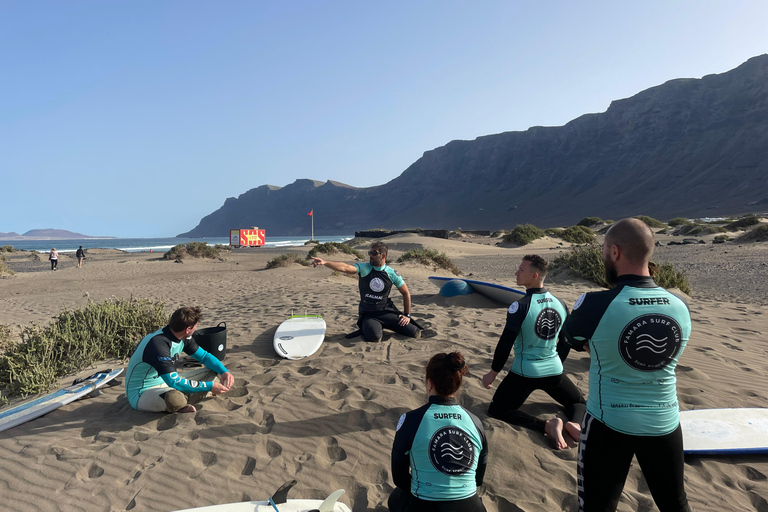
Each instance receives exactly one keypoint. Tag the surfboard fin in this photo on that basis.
(330, 501)
(281, 495)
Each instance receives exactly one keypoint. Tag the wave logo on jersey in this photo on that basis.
(377, 284)
(650, 342)
(451, 451)
(548, 324)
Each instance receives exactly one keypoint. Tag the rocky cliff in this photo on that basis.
(689, 147)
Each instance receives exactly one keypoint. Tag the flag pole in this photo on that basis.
(313, 226)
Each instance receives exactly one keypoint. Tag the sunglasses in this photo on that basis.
(374, 253)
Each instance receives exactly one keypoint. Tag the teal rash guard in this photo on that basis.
(636, 333)
(153, 364)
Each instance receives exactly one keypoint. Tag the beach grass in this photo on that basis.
(651, 222)
(7, 248)
(74, 340)
(588, 222)
(430, 257)
(577, 235)
(523, 234)
(333, 248)
(192, 250)
(4, 270)
(758, 234)
(743, 222)
(286, 259)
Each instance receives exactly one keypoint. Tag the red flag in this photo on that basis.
(310, 212)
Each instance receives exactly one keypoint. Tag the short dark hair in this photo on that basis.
(185, 317)
(380, 246)
(446, 372)
(538, 263)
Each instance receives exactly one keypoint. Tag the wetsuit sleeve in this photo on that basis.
(395, 277)
(209, 360)
(515, 316)
(589, 309)
(401, 448)
(482, 460)
(563, 348)
(176, 381)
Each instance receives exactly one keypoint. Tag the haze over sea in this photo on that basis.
(154, 244)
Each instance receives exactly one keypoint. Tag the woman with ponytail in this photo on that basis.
(440, 451)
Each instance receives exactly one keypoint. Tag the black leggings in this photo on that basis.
(515, 389)
(373, 326)
(403, 501)
(54, 264)
(605, 456)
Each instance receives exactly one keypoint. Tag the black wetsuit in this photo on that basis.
(377, 311)
(538, 360)
(636, 333)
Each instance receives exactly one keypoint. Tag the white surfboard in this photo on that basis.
(503, 294)
(299, 336)
(328, 505)
(725, 431)
(26, 411)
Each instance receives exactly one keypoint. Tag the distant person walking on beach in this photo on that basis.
(440, 450)
(635, 334)
(377, 311)
(54, 257)
(533, 330)
(152, 383)
(80, 255)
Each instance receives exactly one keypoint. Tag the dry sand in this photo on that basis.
(329, 420)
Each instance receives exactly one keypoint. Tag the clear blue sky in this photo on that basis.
(137, 118)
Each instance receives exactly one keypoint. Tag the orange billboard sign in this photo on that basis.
(247, 237)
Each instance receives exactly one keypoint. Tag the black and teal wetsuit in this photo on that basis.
(376, 310)
(438, 458)
(153, 364)
(636, 334)
(532, 331)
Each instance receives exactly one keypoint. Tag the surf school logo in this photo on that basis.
(548, 324)
(377, 284)
(451, 451)
(650, 342)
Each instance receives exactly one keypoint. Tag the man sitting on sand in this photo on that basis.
(635, 334)
(152, 383)
(377, 311)
(532, 329)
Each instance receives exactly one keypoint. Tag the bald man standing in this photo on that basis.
(635, 334)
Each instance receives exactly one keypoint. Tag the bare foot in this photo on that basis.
(554, 429)
(574, 433)
(187, 408)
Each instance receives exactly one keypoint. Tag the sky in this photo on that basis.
(136, 118)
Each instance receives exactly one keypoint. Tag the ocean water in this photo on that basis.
(155, 244)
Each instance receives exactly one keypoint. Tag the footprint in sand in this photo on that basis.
(250, 465)
(692, 373)
(140, 436)
(274, 449)
(335, 452)
(167, 422)
(209, 459)
(267, 423)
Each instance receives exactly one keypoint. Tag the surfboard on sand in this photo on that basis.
(497, 292)
(299, 336)
(725, 431)
(280, 503)
(32, 409)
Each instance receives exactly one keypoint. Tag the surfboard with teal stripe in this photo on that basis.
(32, 409)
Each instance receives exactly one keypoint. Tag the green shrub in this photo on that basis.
(577, 235)
(589, 221)
(666, 276)
(7, 248)
(192, 249)
(286, 259)
(4, 270)
(724, 238)
(5, 336)
(585, 261)
(679, 221)
(608, 222)
(651, 222)
(222, 247)
(523, 234)
(553, 232)
(430, 257)
(758, 234)
(743, 222)
(498, 233)
(75, 340)
(333, 248)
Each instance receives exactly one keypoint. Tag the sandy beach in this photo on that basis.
(329, 420)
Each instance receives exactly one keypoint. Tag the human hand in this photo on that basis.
(227, 379)
(488, 379)
(219, 388)
(586, 347)
(317, 261)
(403, 320)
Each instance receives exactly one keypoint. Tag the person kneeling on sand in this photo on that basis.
(533, 329)
(152, 382)
(377, 311)
(440, 450)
